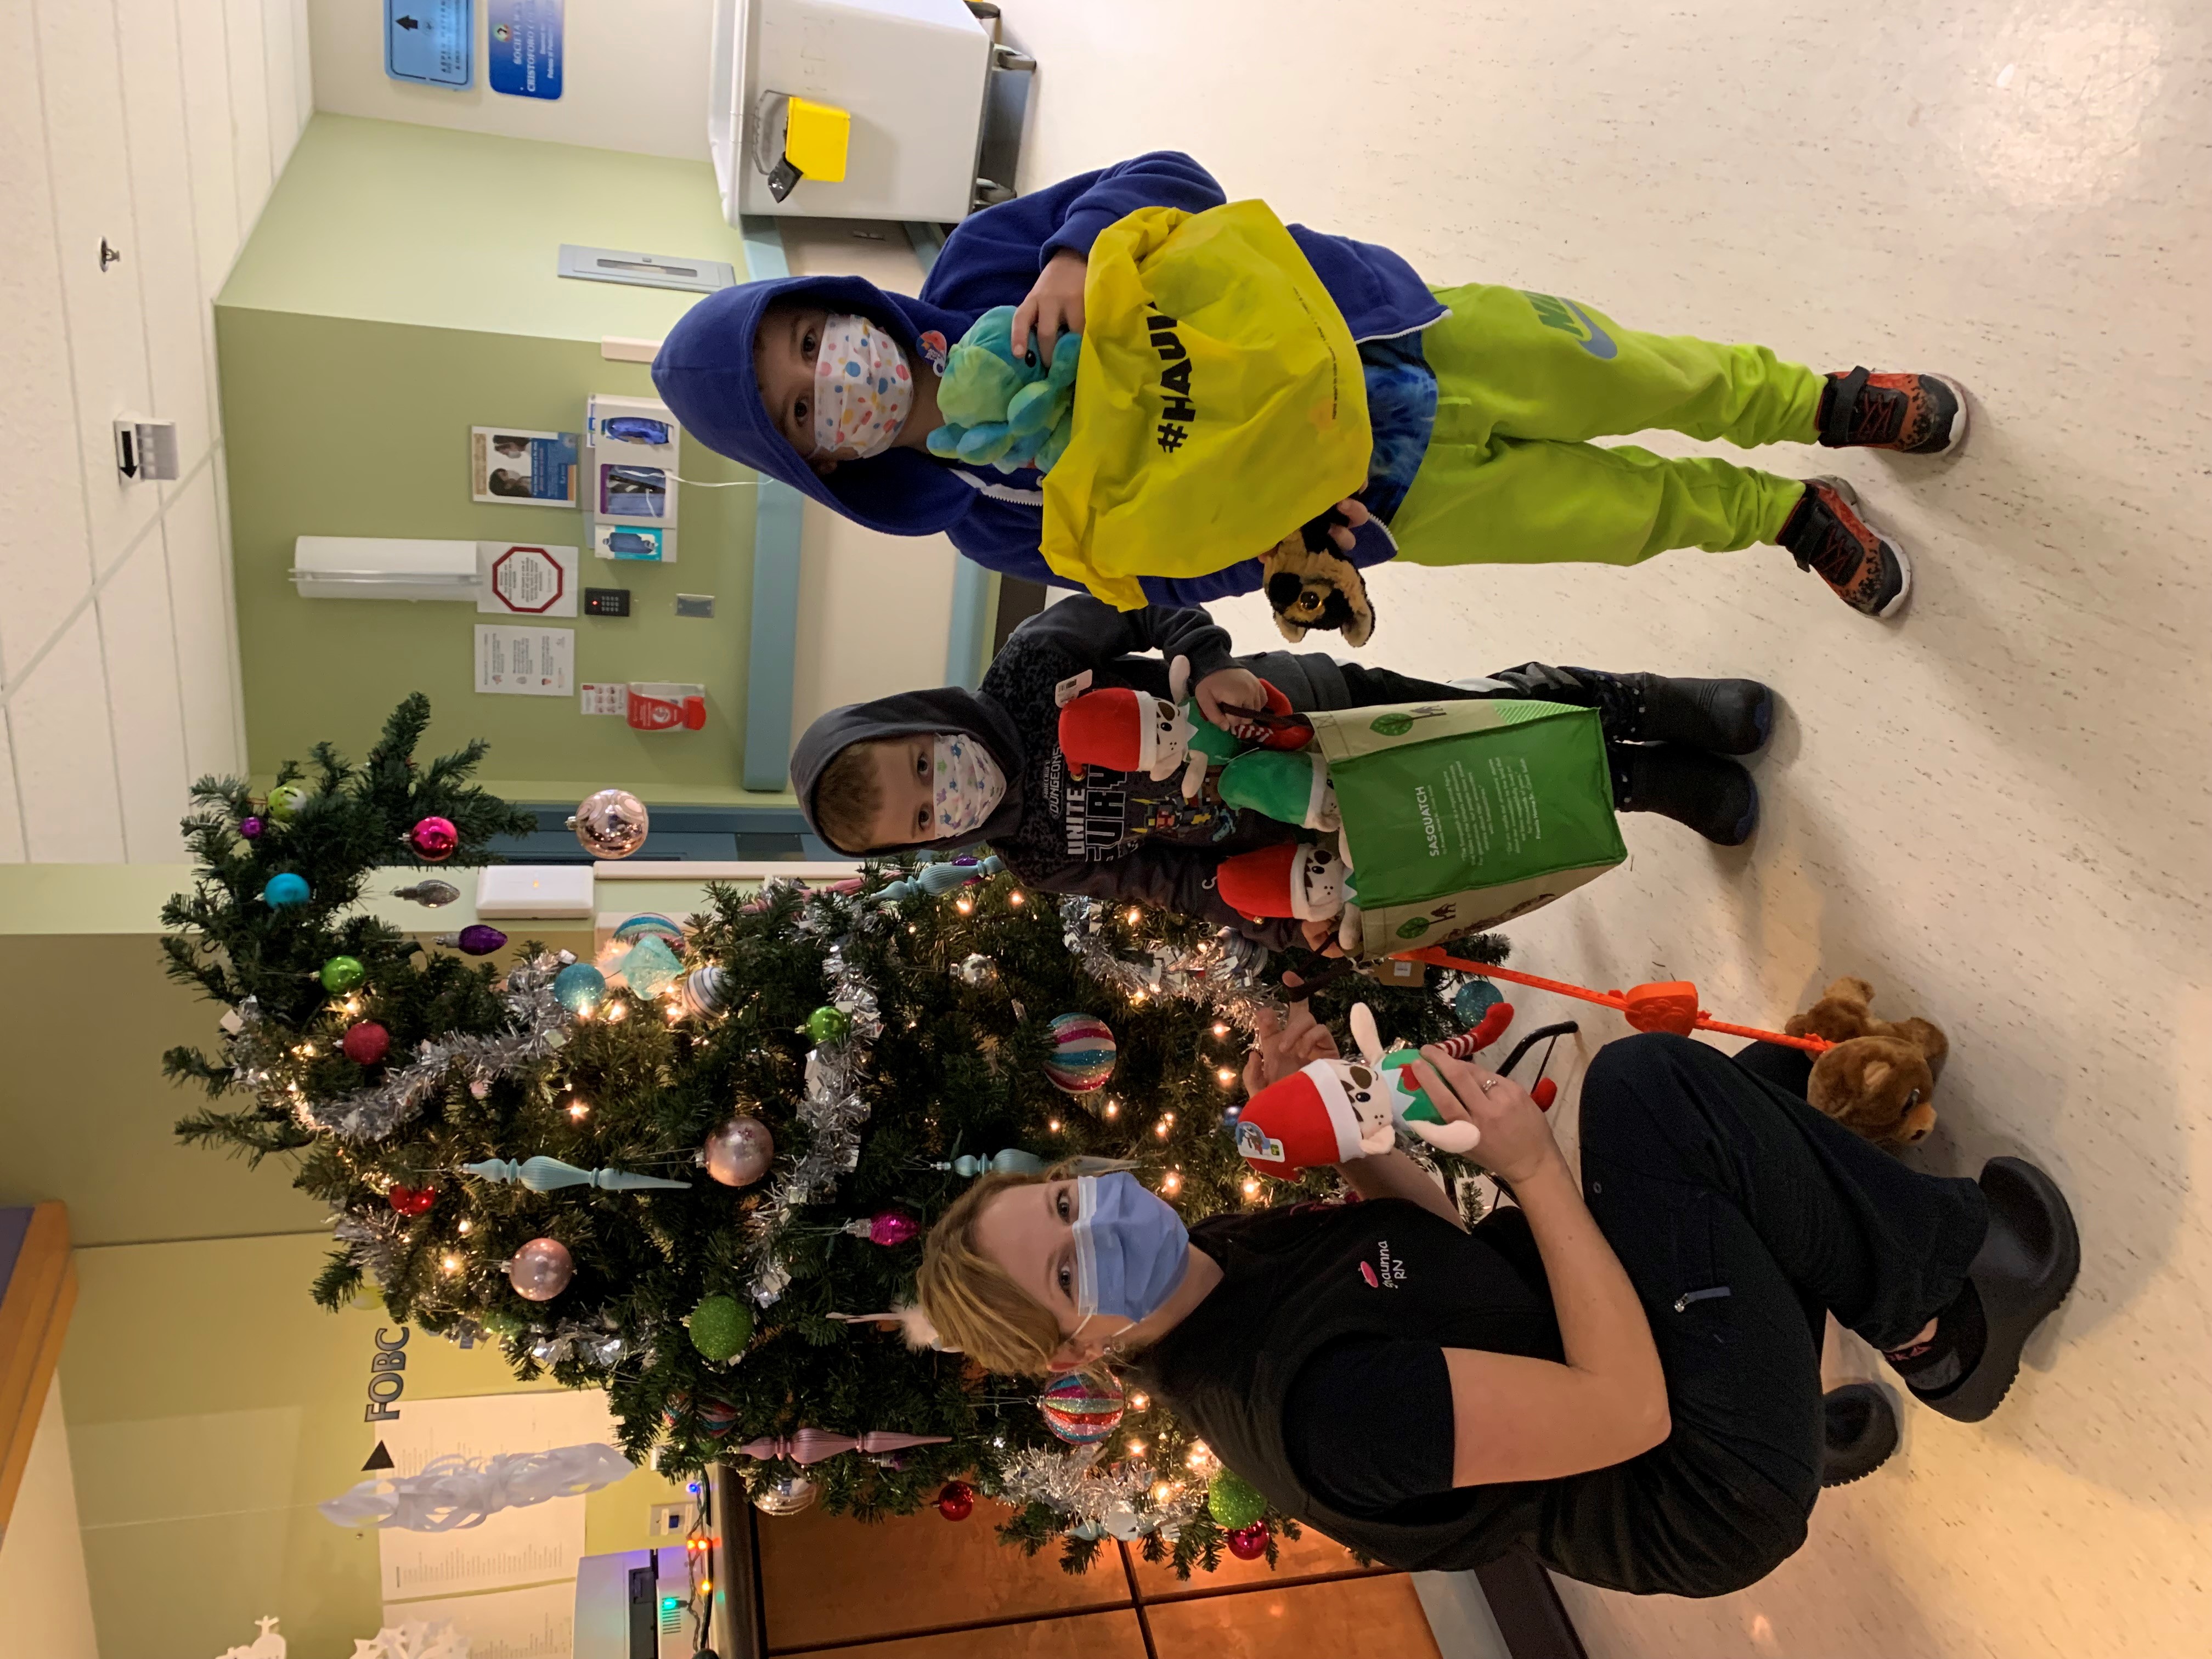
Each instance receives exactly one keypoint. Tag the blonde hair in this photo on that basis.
(973, 1302)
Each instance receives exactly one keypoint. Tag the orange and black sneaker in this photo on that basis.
(1828, 536)
(1918, 414)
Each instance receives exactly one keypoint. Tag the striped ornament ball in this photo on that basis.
(1081, 1411)
(1082, 1054)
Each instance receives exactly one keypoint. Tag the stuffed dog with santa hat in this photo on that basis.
(1332, 1111)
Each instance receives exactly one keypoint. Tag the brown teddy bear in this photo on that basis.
(1879, 1080)
(1310, 585)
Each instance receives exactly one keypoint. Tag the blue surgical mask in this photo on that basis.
(1131, 1250)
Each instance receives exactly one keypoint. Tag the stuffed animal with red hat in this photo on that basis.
(1332, 1111)
(1124, 730)
(1302, 880)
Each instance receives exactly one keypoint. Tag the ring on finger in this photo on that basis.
(1487, 1085)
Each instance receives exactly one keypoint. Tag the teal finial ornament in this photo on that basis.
(547, 1175)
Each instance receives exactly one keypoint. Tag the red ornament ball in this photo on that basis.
(412, 1201)
(957, 1501)
(433, 840)
(1250, 1543)
(367, 1043)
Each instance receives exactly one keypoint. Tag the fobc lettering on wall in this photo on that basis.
(387, 1376)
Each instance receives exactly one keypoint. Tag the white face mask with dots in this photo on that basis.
(965, 781)
(863, 390)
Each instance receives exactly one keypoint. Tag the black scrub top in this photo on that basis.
(1315, 1369)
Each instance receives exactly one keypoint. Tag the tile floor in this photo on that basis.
(1996, 808)
(157, 126)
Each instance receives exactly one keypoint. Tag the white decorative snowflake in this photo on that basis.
(267, 1645)
(415, 1640)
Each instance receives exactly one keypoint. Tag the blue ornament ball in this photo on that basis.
(1475, 998)
(1083, 1053)
(581, 987)
(287, 889)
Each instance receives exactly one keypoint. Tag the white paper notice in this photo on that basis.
(517, 579)
(527, 662)
(607, 699)
(539, 1623)
(514, 1546)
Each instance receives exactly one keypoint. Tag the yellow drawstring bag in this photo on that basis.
(1220, 404)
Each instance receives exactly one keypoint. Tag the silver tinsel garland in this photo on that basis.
(1117, 1502)
(1221, 973)
(832, 1109)
(536, 1027)
(376, 1240)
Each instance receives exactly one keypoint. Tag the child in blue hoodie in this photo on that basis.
(1483, 401)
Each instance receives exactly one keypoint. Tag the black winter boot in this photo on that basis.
(1710, 794)
(1728, 717)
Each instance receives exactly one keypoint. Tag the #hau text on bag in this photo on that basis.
(1220, 404)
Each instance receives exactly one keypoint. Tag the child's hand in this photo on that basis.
(1321, 936)
(1240, 686)
(1054, 305)
(1354, 514)
(1279, 1049)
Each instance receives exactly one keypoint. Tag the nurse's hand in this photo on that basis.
(1281, 1049)
(1517, 1136)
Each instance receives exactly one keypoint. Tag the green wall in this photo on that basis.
(391, 222)
(211, 1405)
(341, 427)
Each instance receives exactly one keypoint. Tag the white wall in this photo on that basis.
(874, 610)
(159, 125)
(42, 1577)
(635, 78)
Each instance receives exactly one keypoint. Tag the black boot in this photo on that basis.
(2023, 1271)
(1858, 1432)
(1728, 717)
(1711, 794)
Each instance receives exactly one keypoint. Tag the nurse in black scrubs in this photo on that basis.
(1622, 1374)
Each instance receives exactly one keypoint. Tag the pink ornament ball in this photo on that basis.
(433, 840)
(367, 1043)
(1250, 1543)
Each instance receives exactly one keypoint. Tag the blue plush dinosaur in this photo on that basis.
(1008, 411)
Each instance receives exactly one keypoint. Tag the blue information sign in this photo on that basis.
(523, 51)
(431, 43)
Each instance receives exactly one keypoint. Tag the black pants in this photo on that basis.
(1742, 1216)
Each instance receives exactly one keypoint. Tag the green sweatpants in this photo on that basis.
(1525, 380)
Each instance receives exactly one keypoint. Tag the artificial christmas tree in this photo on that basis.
(696, 1200)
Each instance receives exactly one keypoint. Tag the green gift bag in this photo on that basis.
(1460, 816)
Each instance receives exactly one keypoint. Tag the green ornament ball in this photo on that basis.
(828, 1024)
(720, 1327)
(342, 973)
(284, 800)
(1234, 1503)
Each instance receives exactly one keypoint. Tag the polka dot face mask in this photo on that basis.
(967, 784)
(863, 390)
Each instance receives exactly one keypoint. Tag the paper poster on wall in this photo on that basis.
(524, 1545)
(517, 579)
(524, 48)
(526, 662)
(508, 463)
(538, 1623)
(431, 43)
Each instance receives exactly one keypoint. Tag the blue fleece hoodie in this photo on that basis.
(705, 368)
